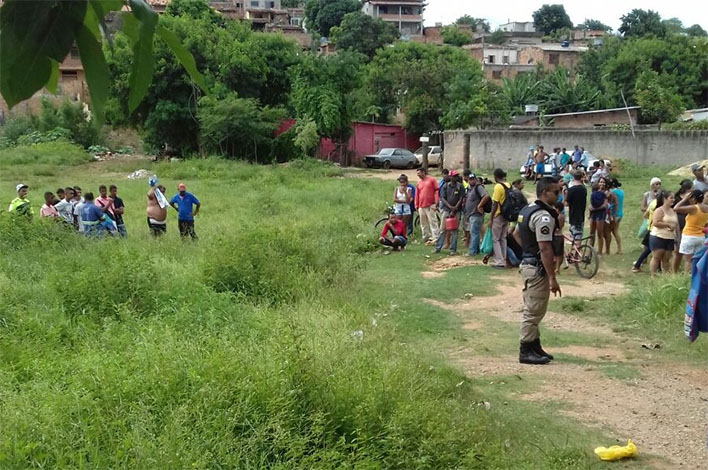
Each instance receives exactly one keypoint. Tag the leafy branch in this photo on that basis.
(36, 36)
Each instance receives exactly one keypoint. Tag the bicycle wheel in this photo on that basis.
(416, 220)
(380, 221)
(589, 262)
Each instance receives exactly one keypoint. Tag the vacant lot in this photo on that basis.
(284, 339)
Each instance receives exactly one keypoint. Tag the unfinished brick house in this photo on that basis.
(406, 15)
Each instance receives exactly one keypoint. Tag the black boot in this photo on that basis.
(539, 350)
(528, 354)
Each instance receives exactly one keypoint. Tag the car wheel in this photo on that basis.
(410, 165)
(387, 164)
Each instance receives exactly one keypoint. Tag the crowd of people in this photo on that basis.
(101, 215)
(561, 161)
(530, 236)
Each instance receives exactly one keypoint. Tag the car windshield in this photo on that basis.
(433, 149)
(386, 151)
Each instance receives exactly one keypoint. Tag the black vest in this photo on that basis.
(529, 244)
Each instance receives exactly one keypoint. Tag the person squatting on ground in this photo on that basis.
(187, 207)
(451, 199)
(426, 201)
(397, 231)
(402, 197)
(662, 238)
(536, 227)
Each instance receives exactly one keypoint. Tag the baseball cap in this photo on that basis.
(654, 181)
(531, 148)
(181, 187)
(453, 173)
(697, 166)
(20, 186)
(471, 175)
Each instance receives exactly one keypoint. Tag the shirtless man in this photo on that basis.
(156, 215)
(540, 162)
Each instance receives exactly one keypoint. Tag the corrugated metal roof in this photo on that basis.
(592, 112)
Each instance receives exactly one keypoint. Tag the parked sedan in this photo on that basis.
(435, 155)
(391, 158)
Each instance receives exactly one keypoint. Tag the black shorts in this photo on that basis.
(598, 216)
(156, 229)
(658, 243)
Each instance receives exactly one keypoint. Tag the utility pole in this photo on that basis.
(424, 140)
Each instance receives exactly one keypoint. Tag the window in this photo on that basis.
(490, 59)
(397, 153)
(255, 3)
(270, 4)
(553, 59)
(505, 59)
(295, 21)
(69, 75)
(496, 74)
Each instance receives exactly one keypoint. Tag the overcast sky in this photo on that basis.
(607, 11)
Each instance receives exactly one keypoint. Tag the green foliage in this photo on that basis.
(415, 78)
(455, 36)
(550, 18)
(686, 126)
(359, 32)
(696, 31)
(51, 154)
(67, 121)
(307, 139)
(237, 128)
(679, 60)
(474, 103)
(497, 37)
(232, 58)
(639, 23)
(594, 25)
(324, 90)
(322, 15)
(474, 23)
(659, 102)
(36, 36)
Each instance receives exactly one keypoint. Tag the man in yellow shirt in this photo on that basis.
(497, 223)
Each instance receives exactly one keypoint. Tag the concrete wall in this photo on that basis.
(508, 148)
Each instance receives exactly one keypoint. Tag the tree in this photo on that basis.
(550, 18)
(415, 78)
(36, 36)
(639, 23)
(497, 37)
(361, 33)
(594, 25)
(658, 102)
(292, 3)
(673, 26)
(322, 15)
(455, 36)
(474, 23)
(324, 90)
(696, 31)
(238, 128)
(561, 93)
(473, 103)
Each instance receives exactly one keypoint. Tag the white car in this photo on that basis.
(435, 155)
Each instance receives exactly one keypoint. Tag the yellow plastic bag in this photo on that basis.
(617, 452)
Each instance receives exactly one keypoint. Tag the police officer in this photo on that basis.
(537, 223)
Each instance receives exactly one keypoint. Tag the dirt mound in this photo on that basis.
(685, 171)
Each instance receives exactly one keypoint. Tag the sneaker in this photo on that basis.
(453, 253)
(436, 251)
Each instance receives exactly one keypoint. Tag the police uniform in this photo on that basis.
(537, 223)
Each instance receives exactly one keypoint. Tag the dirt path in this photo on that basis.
(663, 407)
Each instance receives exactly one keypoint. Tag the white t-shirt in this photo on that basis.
(66, 210)
(700, 185)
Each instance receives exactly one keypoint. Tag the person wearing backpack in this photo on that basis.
(498, 224)
(477, 203)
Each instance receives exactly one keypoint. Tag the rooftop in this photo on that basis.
(592, 112)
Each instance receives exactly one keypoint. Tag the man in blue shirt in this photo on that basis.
(92, 217)
(184, 203)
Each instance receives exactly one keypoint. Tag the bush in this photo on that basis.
(687, 126)
(284, 147)
(55, 153)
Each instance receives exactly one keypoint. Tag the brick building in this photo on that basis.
(406, 15)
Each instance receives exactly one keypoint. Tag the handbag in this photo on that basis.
(486, 246)
(643, 229)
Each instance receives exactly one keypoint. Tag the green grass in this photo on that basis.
(238, 351)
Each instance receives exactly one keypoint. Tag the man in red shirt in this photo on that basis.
(398, 231)
(427, 198)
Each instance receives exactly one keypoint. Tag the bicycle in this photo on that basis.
(416, 218)
(583, 257)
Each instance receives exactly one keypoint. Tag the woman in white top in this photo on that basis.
(654, 188)
(663, 233)
(402, 199)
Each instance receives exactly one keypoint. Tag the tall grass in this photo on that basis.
(236, 351)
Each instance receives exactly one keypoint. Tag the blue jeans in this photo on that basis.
(476, 221)
(443, 231)
(511, 257)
